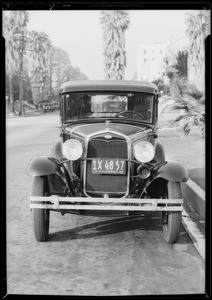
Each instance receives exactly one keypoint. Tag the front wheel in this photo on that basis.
(40, 217)
(172, 220)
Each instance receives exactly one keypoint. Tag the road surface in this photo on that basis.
(86, 255)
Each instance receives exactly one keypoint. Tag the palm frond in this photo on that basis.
(177, 119)
(191, 90)
(179, 107)
(185, 128)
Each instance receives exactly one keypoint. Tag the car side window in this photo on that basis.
(141, 103)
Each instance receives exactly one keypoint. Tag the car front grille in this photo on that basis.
(114, 185)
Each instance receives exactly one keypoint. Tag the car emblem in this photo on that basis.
(108, 136)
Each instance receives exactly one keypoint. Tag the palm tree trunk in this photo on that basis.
(174, 89)
(11, 94)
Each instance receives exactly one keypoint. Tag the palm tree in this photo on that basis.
(185, 97)
(11, 52)
(115, 23)
(39, 46)
(181, 64)
(192, 102)
(14, 27)
(198, 29)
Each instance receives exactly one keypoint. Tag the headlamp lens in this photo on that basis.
(72, 149)
(144, 151)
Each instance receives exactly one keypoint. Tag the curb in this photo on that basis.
(196, 232)
(193, 216)
(194, 197)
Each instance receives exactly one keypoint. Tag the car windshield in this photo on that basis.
(137, 106)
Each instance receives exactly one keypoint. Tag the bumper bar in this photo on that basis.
(129, 204)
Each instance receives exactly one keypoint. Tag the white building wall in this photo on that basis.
(150, 64)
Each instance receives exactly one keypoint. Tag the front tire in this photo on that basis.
(40, 217)
(171, 228)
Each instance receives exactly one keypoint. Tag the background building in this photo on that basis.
(150, 61)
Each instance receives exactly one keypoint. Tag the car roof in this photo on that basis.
(109, 85)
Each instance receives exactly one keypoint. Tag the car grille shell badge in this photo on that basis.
(108, 137)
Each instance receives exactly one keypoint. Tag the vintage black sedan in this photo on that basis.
(108, 160)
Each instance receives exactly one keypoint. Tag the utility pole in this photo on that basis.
(21, 91)
(50, 81)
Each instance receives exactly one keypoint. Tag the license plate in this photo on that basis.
(108, 166)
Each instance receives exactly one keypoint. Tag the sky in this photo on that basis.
(80, 34)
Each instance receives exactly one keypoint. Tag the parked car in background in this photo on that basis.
(56, 105)
(107, 160)
(48, 107)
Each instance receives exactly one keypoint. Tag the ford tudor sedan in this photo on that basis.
(107, 161)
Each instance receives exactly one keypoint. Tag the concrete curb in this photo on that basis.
(196, 232)
(193, 218)
(194, 197)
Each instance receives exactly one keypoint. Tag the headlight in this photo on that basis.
(144, 151)
(72, 149)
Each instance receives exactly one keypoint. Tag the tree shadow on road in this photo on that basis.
(112, 226)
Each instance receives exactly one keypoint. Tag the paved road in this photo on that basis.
(86, 255)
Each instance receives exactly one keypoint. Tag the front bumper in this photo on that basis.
(113, 204)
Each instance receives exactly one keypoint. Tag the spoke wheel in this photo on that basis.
(40, 217)
(172, 220)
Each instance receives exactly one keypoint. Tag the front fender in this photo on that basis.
(57, 151)
(173, 171)
(39, 166)
(159, 152)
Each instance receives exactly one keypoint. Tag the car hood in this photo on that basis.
(131, 131)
